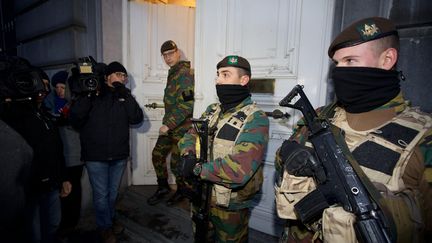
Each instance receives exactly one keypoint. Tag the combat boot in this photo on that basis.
(162, 190)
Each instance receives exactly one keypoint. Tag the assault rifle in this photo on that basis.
(345, 184)
(202, 191)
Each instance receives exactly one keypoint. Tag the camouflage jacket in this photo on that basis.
(236, 169)
(179, 96)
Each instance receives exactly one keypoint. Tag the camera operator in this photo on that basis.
(25, 88)
(103, 118)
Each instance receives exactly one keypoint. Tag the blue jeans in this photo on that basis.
(45, 214)
(105, 177)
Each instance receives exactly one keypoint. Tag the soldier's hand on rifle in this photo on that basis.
(300, 160)
(188, 166)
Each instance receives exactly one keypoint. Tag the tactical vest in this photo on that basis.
(227, 130)
(383, 154)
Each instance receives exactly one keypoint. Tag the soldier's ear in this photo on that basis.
(388, 58)
(244, 80)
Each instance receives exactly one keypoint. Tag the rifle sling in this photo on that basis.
(373, 192)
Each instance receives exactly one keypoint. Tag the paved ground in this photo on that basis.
(144, 223)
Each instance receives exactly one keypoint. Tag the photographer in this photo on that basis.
(103, 117)
(24, 88)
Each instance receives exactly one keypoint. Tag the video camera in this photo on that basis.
(87, 76)
(19, 80)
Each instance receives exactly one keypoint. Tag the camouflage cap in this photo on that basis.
(362, 31)
(235, 61)
(168, 45)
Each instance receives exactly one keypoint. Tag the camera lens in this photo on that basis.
(91, 84)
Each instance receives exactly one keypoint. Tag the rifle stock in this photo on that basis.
(343, 185)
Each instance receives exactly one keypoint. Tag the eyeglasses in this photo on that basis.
(121, 75)
(168, 53)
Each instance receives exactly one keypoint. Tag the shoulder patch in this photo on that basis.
(188, 95)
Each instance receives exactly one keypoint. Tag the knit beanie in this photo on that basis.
(59, 77)
(114, 67)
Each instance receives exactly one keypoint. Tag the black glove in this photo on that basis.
(186, 165)
(120, 89)
(300, 160)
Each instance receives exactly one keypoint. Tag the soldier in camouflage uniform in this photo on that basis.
(376, 123)
(239, 137)
(178, 101)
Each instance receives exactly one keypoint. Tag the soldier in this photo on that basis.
(178, 101)
(388, 139)
(238, 145)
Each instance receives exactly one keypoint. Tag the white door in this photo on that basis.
(284, 40)
(146, 27)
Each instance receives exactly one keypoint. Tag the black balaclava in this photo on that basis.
(362, 89)
(230, 95)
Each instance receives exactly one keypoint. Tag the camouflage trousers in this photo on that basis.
(228, 226)
(165, 145)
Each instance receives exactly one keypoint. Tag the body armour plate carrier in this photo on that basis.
(384, 152)
(227, 132)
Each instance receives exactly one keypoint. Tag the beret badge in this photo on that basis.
(368, 31)
(232, 60)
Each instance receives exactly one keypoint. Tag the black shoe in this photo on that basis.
(177, 197)
(161, 192)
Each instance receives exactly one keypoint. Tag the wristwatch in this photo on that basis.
(197, 169)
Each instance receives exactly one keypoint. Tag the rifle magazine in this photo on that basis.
(311, 207)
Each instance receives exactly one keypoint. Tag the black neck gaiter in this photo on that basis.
(230, 95)
(362, 89)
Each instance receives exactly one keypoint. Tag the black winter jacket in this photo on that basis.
(40, 132)
(15, 163)
(103, 123)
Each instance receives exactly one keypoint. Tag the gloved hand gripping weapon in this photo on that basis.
(345, 183)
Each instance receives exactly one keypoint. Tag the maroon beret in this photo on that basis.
(362, 31)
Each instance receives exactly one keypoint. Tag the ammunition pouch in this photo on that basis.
(338, 225)
(289, 192)
(225, 196)
(222, 195)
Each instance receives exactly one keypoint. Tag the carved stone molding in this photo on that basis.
(277, 35)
